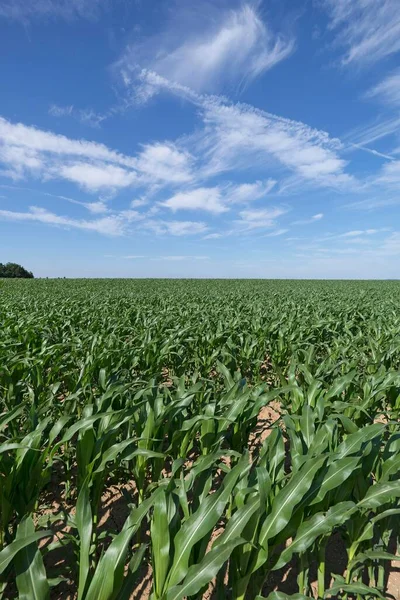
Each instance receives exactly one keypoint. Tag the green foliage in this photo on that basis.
(130, 444)
(12, 270)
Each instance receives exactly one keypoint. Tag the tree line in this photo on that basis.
(13, 270)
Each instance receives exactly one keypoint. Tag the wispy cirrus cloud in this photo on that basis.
(175, 228)
(239, 136)
(379, 129)
(259, 218)
(371, 204)
(26, 151)
(167, 257)
(313, 219)
(181, 257)
(213, 236)
(389, 175)
(208, 50)
(133, 256)
(86, 116)
(96, 208)
(368, 30)
(388, 90)
(111, 225)
(249, 192)
(276, 233)
(116, 223)
(358, 232)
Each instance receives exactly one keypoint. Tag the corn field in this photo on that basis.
(199, 439)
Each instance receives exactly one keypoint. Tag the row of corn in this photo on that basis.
(192, 439)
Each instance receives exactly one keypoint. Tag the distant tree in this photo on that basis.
(12, 270)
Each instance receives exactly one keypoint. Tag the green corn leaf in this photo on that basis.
(5, 418)
(132, 576)
(353, 588)
(13, 446)
(340, 385)
(225, 373)
(311, 529)
(83, 520)
(199, 575)
(337, 473)
(353, 442)
(10, 551)
(109, 575)
(58, 427)
(202, 522)
(160, 542)
(287, 499)
(379, 494)
(31, 577)
(307, 424)
(391, 467)
(238, 521)
(373, 555)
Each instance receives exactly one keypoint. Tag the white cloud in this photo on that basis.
(391, 245)
(139, 202)
(112, 225)
(165, 162)
(369, 30)
(259, 218)
(28, 151)
(247, 192)
(312, 219)
(219, 199)
(208, 199)
(96, 207)
(99, 207)
(61, 111)
(133, 256)
(176, 257)
(17, 160)
(372, 203)
(372, 132)
(217, 47)
(390, 174)
(27, 10)
(388, 90)
(358, 232)
(131, 216)
(86, 116)
(213, 236)
(240, 136)
(18, 135)
(116, 224)
(176, 228)
(94, 178)
(277, 233)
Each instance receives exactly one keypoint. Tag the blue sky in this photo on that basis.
(200, 139)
